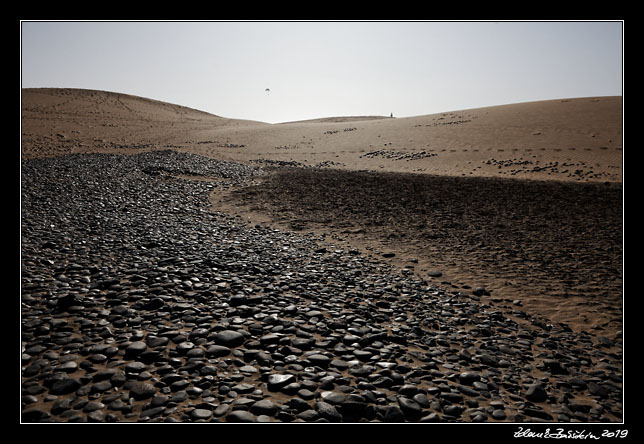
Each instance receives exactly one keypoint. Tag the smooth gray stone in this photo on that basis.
(240, 416)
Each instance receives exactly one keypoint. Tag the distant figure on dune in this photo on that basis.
(392, 115)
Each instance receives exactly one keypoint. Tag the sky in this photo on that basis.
(327, 69)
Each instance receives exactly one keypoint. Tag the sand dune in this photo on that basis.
(567, 139)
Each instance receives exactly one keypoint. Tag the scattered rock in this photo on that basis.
(141, 390)
(264, 407)
(140, 303)
(278, 381)
(240, 416)
(229, 338)
(536, 393)
(328, 411)
(65, 386)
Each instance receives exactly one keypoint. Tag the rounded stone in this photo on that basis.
(65, 386)
(217, 351)
(67, 367)
(200, 414)
(142, 390)
(327, 411)
(135, 348)
(536, 393)
(277, 381)
(409, 406)
(240, 416)
(264, 407)
(92, 406)
(229, 338)
(319, 359)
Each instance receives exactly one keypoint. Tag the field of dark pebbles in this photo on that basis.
(140, 303)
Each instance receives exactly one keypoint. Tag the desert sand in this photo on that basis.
(567, 139)
(521, 203)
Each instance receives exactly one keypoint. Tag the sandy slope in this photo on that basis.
(569, 139)
(58, 121)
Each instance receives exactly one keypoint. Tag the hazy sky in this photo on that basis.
(323, 69)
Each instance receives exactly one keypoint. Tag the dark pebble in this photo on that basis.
(65, 386)
(229, 338)
(536, 393)
(141, 390)
(240, 416)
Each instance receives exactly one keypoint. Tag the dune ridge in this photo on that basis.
(576, 139)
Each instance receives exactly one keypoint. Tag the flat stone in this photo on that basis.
(159, 400)
(313, 314)
(185, 347)
(597, 390)
(454, 410)
(229, 338)
(480, 386)
(555, 367)
(334, 398)
(489, 360)
(243, 388)
(303, 343)
(65, 386)
(61, 404)
(408, 390)
(217, 351)
(328, 411)
(271, 338)
(422, 400)
(221, 410)
(33, 415)
(339, 364)
(537, 413)
(362, 355)
(197, 414)
(577, 382)
(249, 369)
(93, 406)
(319, 360)
(393, 413)
(152, 412)
(431, 418)
(277, 381)
(468, 378)
(536, 393)
(141, 390)
(240, 416)
(96, 416)
(100, 387)
(467, 391)
(309, 415)
(264, 407)
(157, 341)
(135, 348)
(305, 394)
(67, 367)
(408, 406)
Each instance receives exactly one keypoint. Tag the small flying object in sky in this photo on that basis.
(267, 90)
